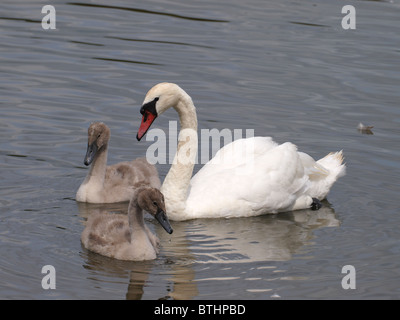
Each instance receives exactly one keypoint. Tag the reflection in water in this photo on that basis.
(127, 61)
(162, 41)
(102, 268)
(364, 129)
(262, 238)
(309, 24)
(162, 13)
(137, 271)
(204, 241)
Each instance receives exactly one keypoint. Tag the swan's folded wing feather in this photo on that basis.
(268, 183)
(234, 155)
(312, 168)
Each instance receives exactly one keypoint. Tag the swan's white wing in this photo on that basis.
(268, 180)
(231, 156)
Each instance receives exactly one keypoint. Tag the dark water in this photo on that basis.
(286, 69)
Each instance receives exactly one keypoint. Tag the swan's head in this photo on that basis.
(152, 201)
(159, 98)
(98, 136)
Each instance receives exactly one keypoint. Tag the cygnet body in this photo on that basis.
(127, 237)
(114, 183)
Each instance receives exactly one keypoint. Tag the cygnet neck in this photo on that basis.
(98, 168)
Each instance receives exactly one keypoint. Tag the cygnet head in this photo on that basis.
(98, 136)
(158, 99)
(152, 201)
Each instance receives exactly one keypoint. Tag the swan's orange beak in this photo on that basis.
(147, 120)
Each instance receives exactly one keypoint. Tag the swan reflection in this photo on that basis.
(207, 241)
(263, 238)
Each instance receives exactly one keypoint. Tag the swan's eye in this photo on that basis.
(156, 99)
(155, 203)
(98, 135)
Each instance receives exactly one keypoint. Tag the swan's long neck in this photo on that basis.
(176, 183)
(97, 170)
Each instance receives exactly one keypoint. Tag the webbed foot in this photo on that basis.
(316, 204)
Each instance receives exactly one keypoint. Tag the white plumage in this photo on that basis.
(273, 178)
(247, 177)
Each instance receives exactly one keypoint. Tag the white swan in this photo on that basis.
(115, 183)
(126, 237)
(247, 177)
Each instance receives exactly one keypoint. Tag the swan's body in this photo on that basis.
(247, 177)
(126, 237)
(114, 183)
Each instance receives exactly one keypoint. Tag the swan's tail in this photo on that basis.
(334, 163)
(334, 169)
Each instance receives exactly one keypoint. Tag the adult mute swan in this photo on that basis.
(247, 177)
(115, 183)
(126, 237)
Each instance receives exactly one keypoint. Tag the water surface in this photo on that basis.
(283, 68)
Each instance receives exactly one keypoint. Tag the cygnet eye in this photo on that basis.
(155, 203)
